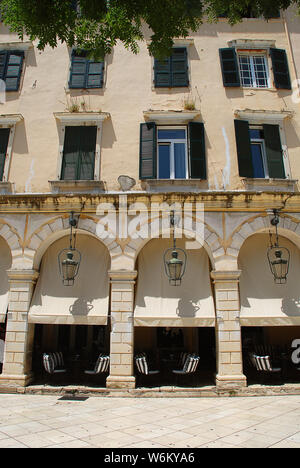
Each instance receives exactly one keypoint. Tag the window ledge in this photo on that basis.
(170, 117)
(76, 118)
(255, 44)
(270, 89)
(177, 42)
(274, 185)
(16, 45)
(171, 185)
(76, 186)
(261, 116)
(10, 119)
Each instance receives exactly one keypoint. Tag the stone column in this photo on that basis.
(122, 330)
(19, 333)
(228, 330)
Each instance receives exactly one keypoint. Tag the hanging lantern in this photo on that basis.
(69, 259)
(278, 257)
(175, 260)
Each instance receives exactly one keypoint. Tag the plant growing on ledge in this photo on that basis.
(189, 103)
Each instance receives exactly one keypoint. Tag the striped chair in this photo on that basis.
(263, 365)
(101, 366)
(189, 367)
(143, 367)
(54, 363)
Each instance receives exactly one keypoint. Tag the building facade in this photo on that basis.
(211, 133)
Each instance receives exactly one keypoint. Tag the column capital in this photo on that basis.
(225, 276)
(121, 276)
(23, 276)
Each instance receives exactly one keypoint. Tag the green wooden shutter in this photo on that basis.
(14, 70)
(281, 72)
(274, 151)
(79, 153)
(78, 72)
(71, 153)
(179, 67)
(3, 60)
(172, 71)
(94, 77)
(87, 147)
(197, 150)
(162, 73)
(4, 136)
(230, 68)
(148, 152)
(243, 145)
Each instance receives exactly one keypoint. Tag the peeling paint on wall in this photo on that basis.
(226, 170)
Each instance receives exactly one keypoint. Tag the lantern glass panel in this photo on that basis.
(279, 264)
(175, 269)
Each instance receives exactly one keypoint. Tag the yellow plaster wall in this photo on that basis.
(128, 91)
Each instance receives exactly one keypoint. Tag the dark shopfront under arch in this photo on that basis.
(80, 345)
(164, 346)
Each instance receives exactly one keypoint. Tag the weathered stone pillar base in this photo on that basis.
(120, 382)
(228, 330)
(7, 381)
(230, 382)
(122, 330)
(17, 364)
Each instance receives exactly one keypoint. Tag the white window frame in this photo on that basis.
(251, 56)
(172, 153)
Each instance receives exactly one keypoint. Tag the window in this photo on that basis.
(79, 153)
(259, 150)
(85, 73)
(249, 68)
(254, 71)
(172, 71)
(11, 64)
(172, 152)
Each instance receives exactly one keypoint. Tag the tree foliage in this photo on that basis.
(97, 25)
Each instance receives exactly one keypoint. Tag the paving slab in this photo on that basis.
(47, 421)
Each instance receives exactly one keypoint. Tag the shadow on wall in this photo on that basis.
(90, 290)
(81, 307)
(20, 143)
(187, 308)
(259, 293)
(155, 296)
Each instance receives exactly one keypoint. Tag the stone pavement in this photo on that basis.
(40, 421)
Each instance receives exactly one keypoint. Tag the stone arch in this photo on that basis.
(14, 242)
(10, 235)
(208, 238)
(289, 227)
(58, 227)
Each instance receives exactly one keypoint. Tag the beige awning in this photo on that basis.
(160, 305)
(264, 303)
(85, 303)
